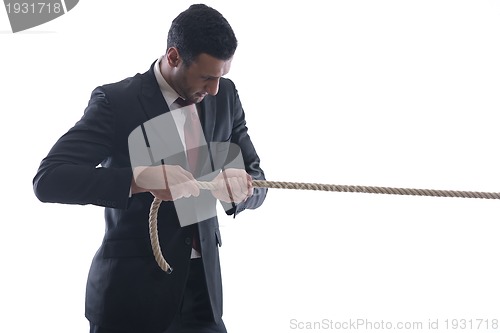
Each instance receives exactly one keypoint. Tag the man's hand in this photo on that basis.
(233, 185)
(166, 182)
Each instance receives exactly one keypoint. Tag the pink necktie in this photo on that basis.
(192, 136)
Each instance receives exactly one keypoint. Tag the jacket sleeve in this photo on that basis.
(241, 138)
(73, 172)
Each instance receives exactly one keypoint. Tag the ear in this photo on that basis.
(173, 57)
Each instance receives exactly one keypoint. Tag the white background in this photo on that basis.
(381, 93)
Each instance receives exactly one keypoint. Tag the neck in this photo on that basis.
(166, 72)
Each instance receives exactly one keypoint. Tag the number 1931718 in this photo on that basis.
(33, 8)
(471, 324)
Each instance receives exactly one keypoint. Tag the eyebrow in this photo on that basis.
(210, 77)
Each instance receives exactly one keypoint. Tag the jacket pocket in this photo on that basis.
(122, 248)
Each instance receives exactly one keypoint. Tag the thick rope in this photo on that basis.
(376, 190)
(153, 235)
(153, 229)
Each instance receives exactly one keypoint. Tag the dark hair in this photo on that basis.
(201, 29)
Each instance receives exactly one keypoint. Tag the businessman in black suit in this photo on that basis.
(91, 164)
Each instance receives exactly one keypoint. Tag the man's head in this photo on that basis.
(200, 47)
(201, 29)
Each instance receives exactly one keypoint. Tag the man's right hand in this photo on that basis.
(166, 182)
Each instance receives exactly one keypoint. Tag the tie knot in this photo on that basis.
(182, 102)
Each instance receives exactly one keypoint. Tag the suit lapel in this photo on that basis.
(151, 98)
(208, 117)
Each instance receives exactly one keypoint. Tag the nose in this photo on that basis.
(212, 87)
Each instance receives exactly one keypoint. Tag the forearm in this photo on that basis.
(80, 184)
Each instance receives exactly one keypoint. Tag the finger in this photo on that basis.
(190, 184)
(186, 173)
(242, 185)
(249, 191)
(221, 192)
(176, 192)
(179, 176)
(232, 173)
(164, 195)
(187, 189)
(249, 185)
(239, 189)
(193, 188)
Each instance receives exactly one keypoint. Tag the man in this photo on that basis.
(91, 164)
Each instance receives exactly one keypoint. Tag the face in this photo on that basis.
(201, 78)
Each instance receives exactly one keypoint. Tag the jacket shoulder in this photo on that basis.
(227, 90)
(130, 83)
(127, 84)
(226, 84)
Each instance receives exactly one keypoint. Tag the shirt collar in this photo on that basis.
(168, 92)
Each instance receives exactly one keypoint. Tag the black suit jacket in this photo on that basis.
(90, 164)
